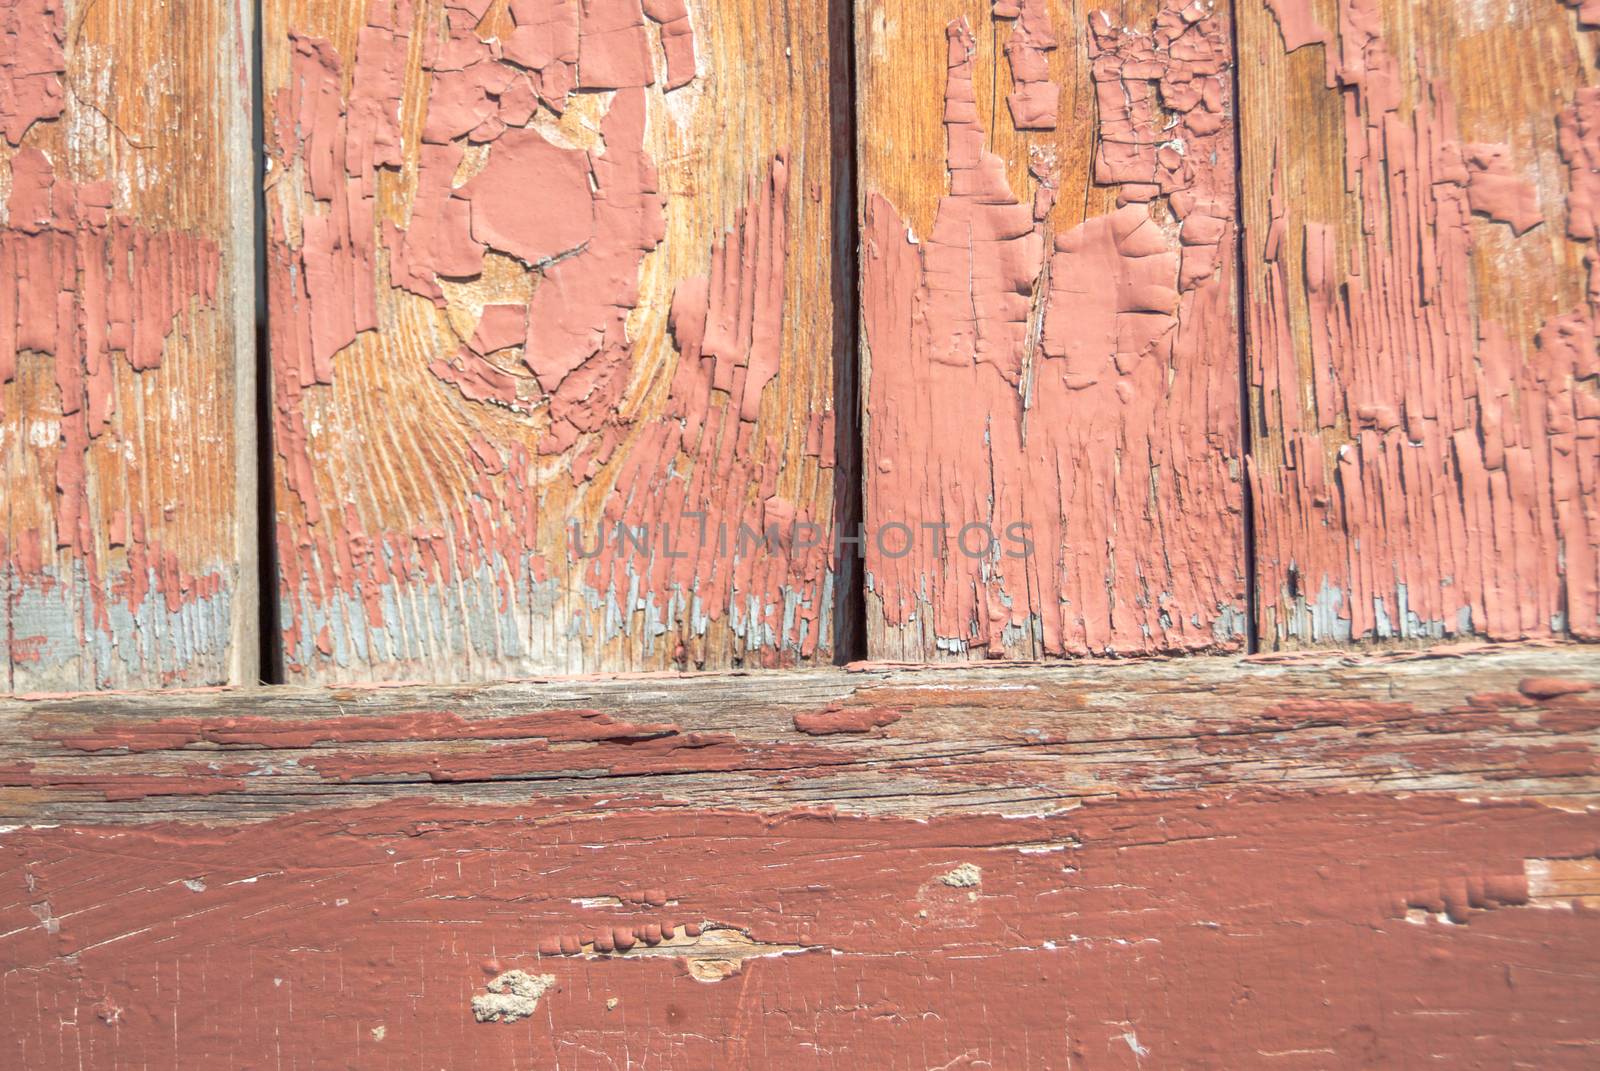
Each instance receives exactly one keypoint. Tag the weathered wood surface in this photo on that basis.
(127, 524)
(955, 739)
(537, 265)
(1049, 323)
(1200, 863)
(1419, 187)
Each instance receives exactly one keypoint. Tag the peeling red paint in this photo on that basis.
(677, 39)
(1088, 397)
(1551, 687)
(79, 283)
(32, 61)
(577, 331)
(556, 726)
(1570, 717)
(1297, 23)
(1588, 12)
(669, 753)
(1458, 899)
(1494, 189)
(1036, 100)
(846, 719)
(565, 357)
(1578, 138)
(1429, 740)
(1460, 502)
(196, 782)
(63, 236)
(337, 274)
(599, 215)
(1030, 735)
(616, 938)
(1180, 70)
(770, 578)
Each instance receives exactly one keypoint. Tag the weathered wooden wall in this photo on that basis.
(1210, 863)
(1419, 183)
(538, 265)
(1051, 352)
(541, 261)
(1050, 337)
(127, 446)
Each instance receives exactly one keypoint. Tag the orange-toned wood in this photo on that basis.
(1050, 347)
(127, 505)
(1425, 392)
(537, 265)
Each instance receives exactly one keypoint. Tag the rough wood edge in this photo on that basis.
(245, 664)
(1515, 722)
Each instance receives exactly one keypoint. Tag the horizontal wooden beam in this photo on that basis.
(1508, 722)
(1223, 863)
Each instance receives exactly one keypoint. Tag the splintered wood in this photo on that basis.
(1420, 185)
(552, 327)
(1053, 452)
(127, 522)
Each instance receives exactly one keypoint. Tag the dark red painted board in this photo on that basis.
(1300, 863)
(1202, 929)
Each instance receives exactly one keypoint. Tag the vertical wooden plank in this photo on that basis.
(128, 540)
(538, 264)
(1052, 356)
(1419, 192)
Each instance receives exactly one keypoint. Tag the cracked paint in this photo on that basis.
(1425, 474)
(1071, 392)
(533, 315)
(100, 581)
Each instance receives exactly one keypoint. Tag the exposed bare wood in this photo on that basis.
(1418, 185)
(1206, 862)
(1049, 329)
(542, 268)
(913, 742)
(127, 444)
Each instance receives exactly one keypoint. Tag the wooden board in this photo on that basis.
(127, 524)
(1049, 326)
(1202, 863)
(540, 270)
(1419, 182)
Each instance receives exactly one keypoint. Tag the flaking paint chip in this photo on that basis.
(513, 995)
(965, 876)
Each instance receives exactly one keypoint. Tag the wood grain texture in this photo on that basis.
(1049, 329)
(911, 741)
(127, 522)
(544, 266)
(1201, 862)
(1420, 252)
